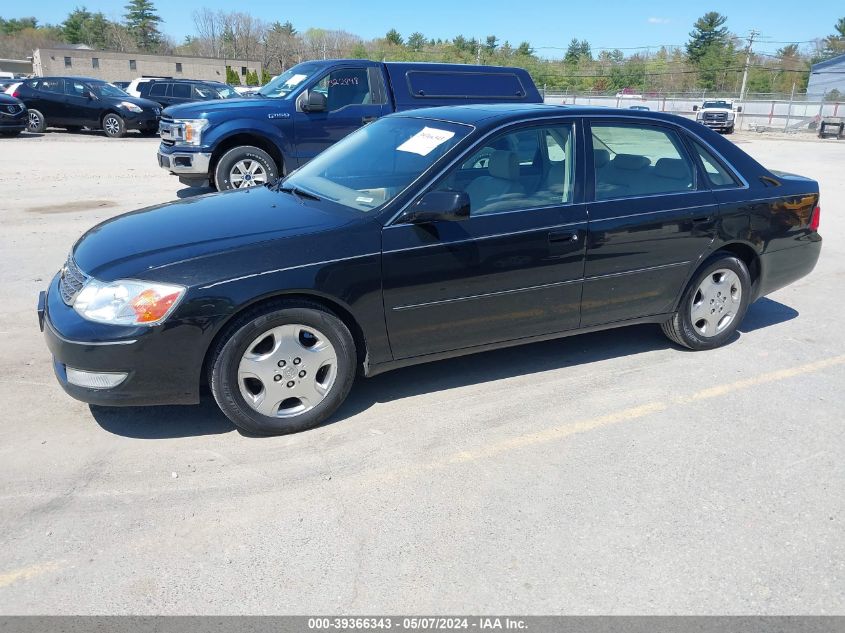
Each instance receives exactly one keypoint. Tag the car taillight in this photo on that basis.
(16, 94)
(814, 219)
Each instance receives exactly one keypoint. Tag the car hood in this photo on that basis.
(140, 243)
(230, 107)
(138, 101)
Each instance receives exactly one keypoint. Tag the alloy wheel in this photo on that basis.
(287, 371)
(111, 126)
(716, 302)
(33, 121)
(247, 173)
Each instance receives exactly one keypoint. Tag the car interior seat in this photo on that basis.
(501, 181)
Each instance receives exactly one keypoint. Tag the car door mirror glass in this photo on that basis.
(439, 206)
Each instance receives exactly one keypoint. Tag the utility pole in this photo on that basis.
(751, 37)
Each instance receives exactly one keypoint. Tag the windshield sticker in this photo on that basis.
(424, 141)
(295, 80)
(364, 199)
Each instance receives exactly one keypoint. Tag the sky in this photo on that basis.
(548, 24)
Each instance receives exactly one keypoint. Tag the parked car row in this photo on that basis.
(74, 103)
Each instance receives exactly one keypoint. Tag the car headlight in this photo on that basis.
(731, 116)
(189, 131)
(130, 106)
(699, 116)
(127, 301)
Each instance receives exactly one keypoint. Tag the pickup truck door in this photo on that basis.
(355, 96)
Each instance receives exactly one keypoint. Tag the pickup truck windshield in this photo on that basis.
(716, 104)
(372, 166)
(289, 80)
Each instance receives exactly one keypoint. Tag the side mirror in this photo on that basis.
(87, 94)
(695, 108)
(739, 109)
(316, 102)
(446, 206)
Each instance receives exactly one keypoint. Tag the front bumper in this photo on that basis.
(163, 363)
(12, 122)
(146, 121)
(179, 161)
(718, 125)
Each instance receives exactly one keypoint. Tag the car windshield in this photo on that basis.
(717, 104)
(373, 165)
(108, 90)
(289, 80)
(226, 92)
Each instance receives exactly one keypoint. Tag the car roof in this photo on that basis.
(484, 115)
(73, 77)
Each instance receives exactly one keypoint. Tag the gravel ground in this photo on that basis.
(606, 473)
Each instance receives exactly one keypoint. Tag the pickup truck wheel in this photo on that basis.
(283, 369)
(113, 125)
(35, 122)
(244, 166)
(730, 130)
(713, 305)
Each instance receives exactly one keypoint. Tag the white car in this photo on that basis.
(132, 88)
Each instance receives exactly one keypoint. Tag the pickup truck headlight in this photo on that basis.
(699, 116)
(731, 116)
(127, 301)
(187, 131)
(130, 106)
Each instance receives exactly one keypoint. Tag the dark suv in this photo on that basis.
(77, 102)
(168, 92)
(12, 115)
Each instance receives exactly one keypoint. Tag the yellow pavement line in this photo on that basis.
(24, 573)
(632, 413)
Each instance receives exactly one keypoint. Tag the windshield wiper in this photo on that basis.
(299, 193)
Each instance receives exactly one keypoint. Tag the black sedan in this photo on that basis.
(12, 115)
(422, 236)
(76, 102)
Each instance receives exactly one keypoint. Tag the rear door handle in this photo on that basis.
(368, 119)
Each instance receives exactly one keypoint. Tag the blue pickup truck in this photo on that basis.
(235, 143)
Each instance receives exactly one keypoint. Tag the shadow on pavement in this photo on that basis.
(191, 192)
(575, 352)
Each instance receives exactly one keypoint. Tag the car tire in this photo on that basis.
(282, 369)
(713, 304)
(113, 125)
(244, 166)
(35, 122)
(730, 130)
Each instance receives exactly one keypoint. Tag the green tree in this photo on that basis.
(491, 44)
(265, 76)
(416, 41)
(83, 27)
(573, 51)
(252, 78)
(834, 44)
(393, 37)
(232, 77)
(524, 48)
(142, 22)
(16, 25)
(708, 32)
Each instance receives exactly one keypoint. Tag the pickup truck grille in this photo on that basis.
(715, 116)
(71, 280)
(165, 127)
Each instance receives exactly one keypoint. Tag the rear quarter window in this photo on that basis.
(442, 84)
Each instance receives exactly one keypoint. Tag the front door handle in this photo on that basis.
(368, 119)
(562, 237)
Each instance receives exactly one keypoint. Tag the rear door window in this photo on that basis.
(181, 91)
(631, 160)
(158, 90)
(55, 86)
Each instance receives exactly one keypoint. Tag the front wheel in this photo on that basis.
(243, 167)
(114, 126)
(283, 369)
(730, 130)
(713, 305)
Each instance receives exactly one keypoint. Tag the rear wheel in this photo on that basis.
(283, 370)
(713, 305)
(114, 126)
(245, 166)
(35, 122)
